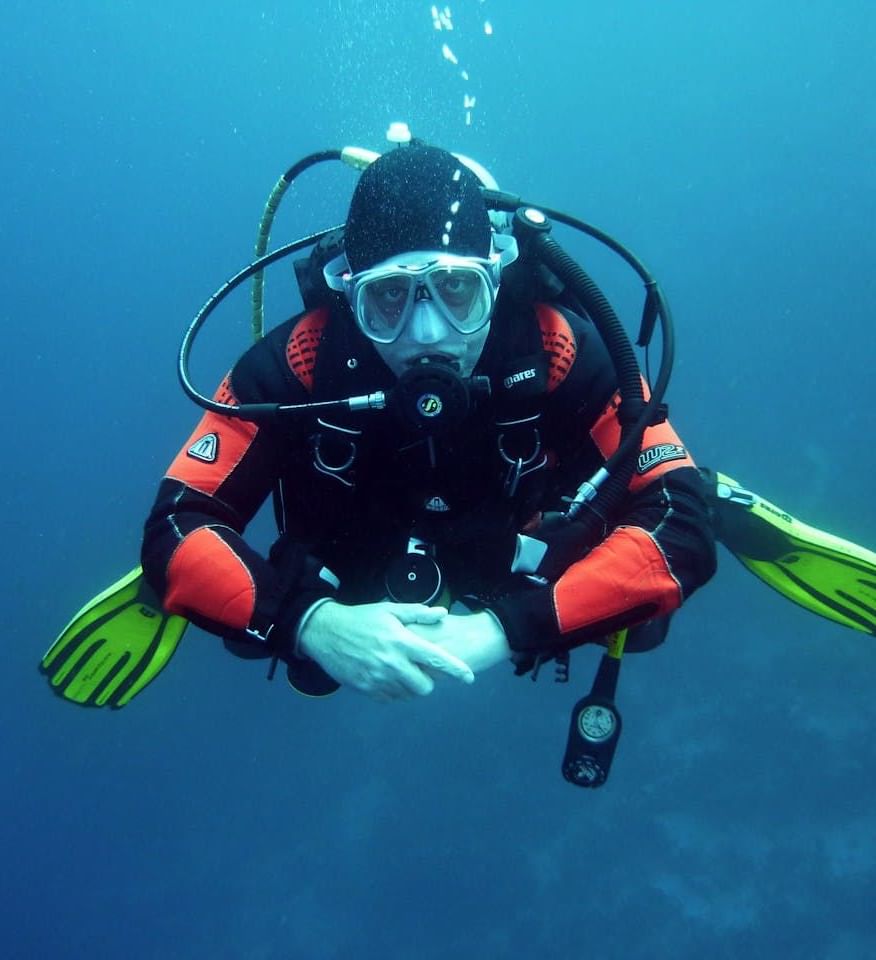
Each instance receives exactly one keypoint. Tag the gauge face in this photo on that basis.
(596, 723)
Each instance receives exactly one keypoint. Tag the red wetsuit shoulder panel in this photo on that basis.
(303, 345)
(558, 342)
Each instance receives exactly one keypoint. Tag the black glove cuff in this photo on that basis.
(301, 580)
(528, 619)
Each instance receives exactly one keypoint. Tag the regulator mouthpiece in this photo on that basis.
(432, 397)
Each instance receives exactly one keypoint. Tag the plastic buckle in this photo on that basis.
(256, 634)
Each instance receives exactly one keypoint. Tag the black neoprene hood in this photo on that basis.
(415, 198)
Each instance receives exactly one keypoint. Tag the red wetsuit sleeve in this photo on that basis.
(631, 572)
(627, 572)
(649, 564)
(659, 551)
(194, 553)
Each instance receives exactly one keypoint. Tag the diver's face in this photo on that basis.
(427, 336)
(425, 306)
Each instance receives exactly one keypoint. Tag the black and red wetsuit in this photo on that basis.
(352, 489)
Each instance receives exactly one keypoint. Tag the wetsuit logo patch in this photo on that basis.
(661, 453)
(518, 377)
(205, 449)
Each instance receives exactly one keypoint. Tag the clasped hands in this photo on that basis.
(394, 651)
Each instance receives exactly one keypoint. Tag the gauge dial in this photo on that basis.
(596, 723)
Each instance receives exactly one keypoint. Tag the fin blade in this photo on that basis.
(114, 646)
(172, 632)
(105, 603)
(828, 575)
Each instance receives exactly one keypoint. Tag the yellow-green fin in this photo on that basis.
(832, 577)
(114, 646)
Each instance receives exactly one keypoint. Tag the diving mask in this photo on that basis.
(463, 289)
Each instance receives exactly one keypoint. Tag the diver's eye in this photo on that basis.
(389, 295)
(390, 292)
(457, 287)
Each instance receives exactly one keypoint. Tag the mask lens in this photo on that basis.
(464, 294)
(383, 304)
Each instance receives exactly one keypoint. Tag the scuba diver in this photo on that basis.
(382, 516)
(498, 483)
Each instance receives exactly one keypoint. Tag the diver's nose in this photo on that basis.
(427, 323)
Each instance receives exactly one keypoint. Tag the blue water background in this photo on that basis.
(732, 147)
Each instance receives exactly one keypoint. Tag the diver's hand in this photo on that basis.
(370, 647)
(476, 638)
